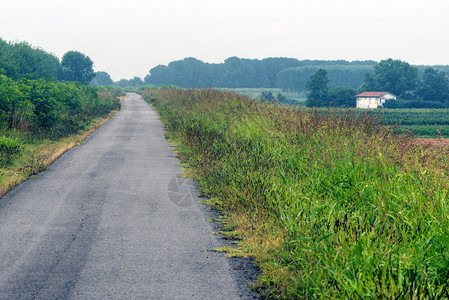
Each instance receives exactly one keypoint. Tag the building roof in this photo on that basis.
(372, 94)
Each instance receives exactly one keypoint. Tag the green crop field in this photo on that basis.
(328, 206)
(429, 123)
(422, 123)
(255, 93)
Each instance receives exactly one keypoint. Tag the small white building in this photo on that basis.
(373, 99)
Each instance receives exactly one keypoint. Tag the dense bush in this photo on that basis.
(9, 149)
(51, 108)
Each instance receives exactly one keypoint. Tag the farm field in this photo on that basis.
(329, 207)
(422, 123)
(256, 92)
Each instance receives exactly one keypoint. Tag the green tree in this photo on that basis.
(10, 98)
(75, 66)
(319, 90)
(136, 81)
(281, 98)
(342, 97)
(21, 60)
(434, 86)
(394, 76)
(101, 78)
(132, 83)
(266, 96)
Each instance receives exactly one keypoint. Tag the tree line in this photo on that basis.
(350, 75)
(234, 72)
(276, 72)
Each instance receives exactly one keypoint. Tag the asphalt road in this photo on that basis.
(111, 219)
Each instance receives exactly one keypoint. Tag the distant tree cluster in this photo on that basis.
(321, 95)
(394, 76)
(101, 78)
(268, 96)
(133, 83)
(233, 73)
(425, 88)
(340, 73)
(287, 73)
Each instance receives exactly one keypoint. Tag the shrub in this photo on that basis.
(9, 150)
(53, 109)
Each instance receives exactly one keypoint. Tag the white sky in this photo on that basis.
(128, 38)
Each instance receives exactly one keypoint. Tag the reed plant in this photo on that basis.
(331, 205)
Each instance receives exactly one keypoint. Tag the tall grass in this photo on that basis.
(360, 212)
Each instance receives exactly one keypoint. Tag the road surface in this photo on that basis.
(111, 219)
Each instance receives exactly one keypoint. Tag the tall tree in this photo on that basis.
(434, 86)
(75, 66)
(101, 78)
(394, 76)
(342, 96)
(319, 90)
(135, 82)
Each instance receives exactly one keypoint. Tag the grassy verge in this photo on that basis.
(330, 206)
(38, 152)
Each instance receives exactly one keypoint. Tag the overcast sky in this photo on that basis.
(128, 38)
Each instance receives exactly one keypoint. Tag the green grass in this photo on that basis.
(330, 206)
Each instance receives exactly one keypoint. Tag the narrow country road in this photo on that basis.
(110, 219)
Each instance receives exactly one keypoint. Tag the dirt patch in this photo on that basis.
(443, 143)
